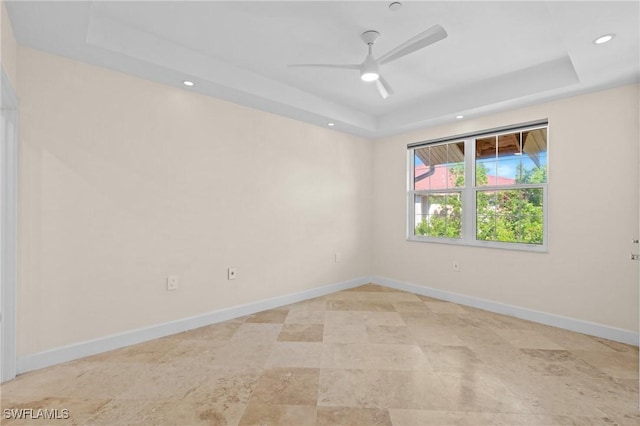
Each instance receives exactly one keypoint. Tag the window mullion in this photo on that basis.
(468, 198)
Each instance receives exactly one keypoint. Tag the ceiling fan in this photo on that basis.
(370, 67)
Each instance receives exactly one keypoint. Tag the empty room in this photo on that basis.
(319, 212)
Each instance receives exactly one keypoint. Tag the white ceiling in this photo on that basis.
(498, 55)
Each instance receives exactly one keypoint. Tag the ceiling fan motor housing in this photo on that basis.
(370, 70)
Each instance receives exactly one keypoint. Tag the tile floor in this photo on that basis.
(366, 356)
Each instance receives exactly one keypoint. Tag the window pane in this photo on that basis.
(509, 160)
(486, 215)
(455, 157)
(439, 167)
(532, 216)
(534, 158)
(438, 215)
(508, 145)
(510, 216)
(486, 160)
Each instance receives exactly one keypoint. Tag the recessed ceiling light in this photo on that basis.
(330, 124)
(459, 116)
(603, 39)
(188, 83)
(396, 5)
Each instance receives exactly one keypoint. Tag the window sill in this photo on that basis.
(483, 244)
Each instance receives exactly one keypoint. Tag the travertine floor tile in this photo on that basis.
(621, 365)
(372, 288)
(148, 352)
(157, 382)
(366, 318)
(373, 297)
(482, 393)
(554, 395)
(471, 418)
(411, 307)
(297, 316)
(427, 298)
(445, 308)
(278, 414)
(452, 359)
(627, 419)
(382, 389)
(434, 335)
(576, 341)
(345, 333)
(224, 386)
(190, 354)
(359, 305)
(270, 316)
(219, 332)
(350, 416)
(546, 362)
(527, 339)
(317, 304)
(47, 382)
(390, 334)
(166, 412)
(374, 356)
(481, 338)
(370, 355)
(254, 333)
(243, 354)
(296, 354)
(287, 386)
(301, 333)
(616, 346)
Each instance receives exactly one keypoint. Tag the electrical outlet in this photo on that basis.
(232, 273)
(172, 282)
(455, 266)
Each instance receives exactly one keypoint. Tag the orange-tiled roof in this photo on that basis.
(443, 179)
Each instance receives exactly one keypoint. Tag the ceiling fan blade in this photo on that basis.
(344, 66)
(424, 39)
(383, 87)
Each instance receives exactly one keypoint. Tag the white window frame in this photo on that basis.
(470, 190)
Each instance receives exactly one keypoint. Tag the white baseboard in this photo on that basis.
(593, 329)
(95, 346)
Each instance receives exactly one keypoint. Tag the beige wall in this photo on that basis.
(124, 182)
(593, 215)
(7, 45)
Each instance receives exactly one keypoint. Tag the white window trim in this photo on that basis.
(469, 225)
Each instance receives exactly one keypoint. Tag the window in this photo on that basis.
(438, 184)
(487, 189)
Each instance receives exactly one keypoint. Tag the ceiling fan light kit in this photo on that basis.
(369, 76)
(370, 67)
